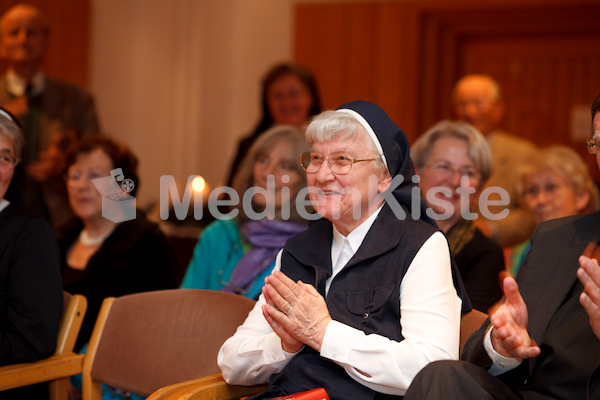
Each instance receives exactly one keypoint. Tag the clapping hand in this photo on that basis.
(296, 311)
(509, 319)
(589, 275)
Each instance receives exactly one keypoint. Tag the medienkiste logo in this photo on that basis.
(117, 204)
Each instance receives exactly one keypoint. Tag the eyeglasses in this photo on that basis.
(78, 176)
(592, 144)
(549, 188)
(8, 160)
(340, 163)
(447, 171)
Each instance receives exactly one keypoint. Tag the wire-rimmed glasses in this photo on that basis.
(339, 162)
(592, 144)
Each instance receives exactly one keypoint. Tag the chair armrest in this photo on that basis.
(211, 387)
(470, 323)
(48, 369)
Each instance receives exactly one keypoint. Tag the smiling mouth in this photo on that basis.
(329, 192)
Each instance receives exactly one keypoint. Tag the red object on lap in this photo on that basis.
(314, 394)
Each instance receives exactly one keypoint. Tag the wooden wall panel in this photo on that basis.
(544, 53)
(358, 52)
(68, 54)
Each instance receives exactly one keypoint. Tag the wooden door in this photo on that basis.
(407, 55)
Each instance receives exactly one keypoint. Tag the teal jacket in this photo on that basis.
(216, 254)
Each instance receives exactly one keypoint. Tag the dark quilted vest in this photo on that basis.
(364, 295)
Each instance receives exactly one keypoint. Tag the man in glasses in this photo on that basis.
(353, 299)
(542, 340)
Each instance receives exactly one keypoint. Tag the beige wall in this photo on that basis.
(179, 80)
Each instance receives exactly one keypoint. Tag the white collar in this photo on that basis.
(3, 204)
(355, 238)
(16, 84)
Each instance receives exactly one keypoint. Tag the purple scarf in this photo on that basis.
(267, 237)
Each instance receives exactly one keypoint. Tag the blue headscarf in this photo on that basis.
(392, 145)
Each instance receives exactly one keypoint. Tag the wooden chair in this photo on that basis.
(57, 368)
(215, 388)
(211, 387)
(469, 323)
(142, 342)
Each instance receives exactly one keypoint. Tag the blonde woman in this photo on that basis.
(555, 183)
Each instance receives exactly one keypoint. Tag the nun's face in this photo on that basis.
(348, 200)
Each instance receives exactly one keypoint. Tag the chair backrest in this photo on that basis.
(74, 308)
(144, 341)
(469, 323)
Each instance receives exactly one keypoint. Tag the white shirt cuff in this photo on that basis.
(334, 347)
(500, 364)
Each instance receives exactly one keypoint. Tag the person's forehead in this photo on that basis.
(359, 139)
(475, 87)
(546, 175)
(446, 144)
(22, 16)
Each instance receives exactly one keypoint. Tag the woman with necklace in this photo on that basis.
(102, 258)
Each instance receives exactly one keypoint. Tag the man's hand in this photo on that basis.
(509, 318)
(295, 311)
(589, 275)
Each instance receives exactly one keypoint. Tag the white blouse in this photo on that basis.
(430, 313)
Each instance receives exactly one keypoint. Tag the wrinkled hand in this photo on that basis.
(509, 318)
(296, 311)
(589, 275)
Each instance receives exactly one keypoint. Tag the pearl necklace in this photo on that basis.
(87, 240)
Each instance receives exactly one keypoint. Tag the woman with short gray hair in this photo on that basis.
(453, 160)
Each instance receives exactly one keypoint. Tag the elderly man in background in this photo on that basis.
(52, 112)
(353, 299)
(477, 99)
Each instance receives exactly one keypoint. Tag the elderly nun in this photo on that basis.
(366, 297)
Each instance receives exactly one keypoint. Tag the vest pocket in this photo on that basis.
(365, 303)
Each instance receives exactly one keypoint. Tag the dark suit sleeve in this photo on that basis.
(34, 295)
(88, 122)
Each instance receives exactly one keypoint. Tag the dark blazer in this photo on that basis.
(479, 264)
(546, 281)
(64, 106)
(30, 289)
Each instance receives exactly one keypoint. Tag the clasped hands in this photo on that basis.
(296, 311)
(509, 317)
